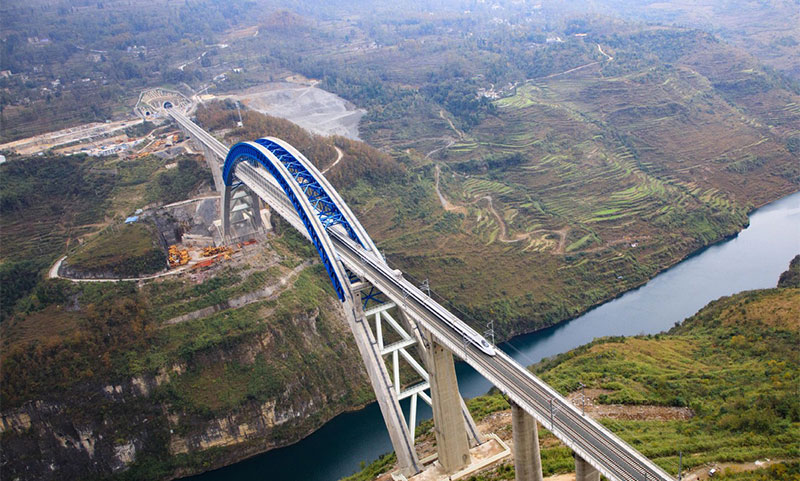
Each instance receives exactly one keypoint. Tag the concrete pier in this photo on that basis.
(527, 457)
(449, 425)
(585, 471)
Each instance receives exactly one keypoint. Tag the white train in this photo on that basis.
(471, 336)
(467, 333)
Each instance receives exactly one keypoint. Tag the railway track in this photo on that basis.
(614, 458)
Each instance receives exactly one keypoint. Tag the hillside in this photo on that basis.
(115, 381)
(174, 376)
(50, 205)
(733, 365)
(530, 168)
(579, 169)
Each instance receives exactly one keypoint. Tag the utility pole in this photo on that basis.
(426, 286)
(583, 398)
(680, 465)
(490, 331)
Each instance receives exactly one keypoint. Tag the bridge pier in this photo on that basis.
(475, 438)
(585, 471)
(249, 222)
(213, 165)
(449, 425)
(255, 204)
(527, 457)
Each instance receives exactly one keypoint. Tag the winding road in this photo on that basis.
(339, 154)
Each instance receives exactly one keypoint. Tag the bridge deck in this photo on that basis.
(614, 458)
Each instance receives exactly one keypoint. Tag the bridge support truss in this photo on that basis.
(241, 213)
(298, 192)
(422, 369)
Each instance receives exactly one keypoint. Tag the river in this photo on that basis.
(754, 259)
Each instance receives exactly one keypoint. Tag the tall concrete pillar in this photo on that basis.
(215, 167)
(225, 214)
(475, 438)
(448, 419)
(585, 471)
(255, 203)
(527, 457)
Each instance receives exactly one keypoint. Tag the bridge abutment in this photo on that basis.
(585, 471)
(527, 456)
(448, 419)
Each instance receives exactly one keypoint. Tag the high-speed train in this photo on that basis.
(467, 333)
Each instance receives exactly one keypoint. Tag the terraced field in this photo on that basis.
(639, 148)
(586, 184)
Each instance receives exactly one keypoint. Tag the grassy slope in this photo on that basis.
(734, 363)
(667, 156)
(126, 250)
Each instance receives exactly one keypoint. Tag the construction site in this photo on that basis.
(194, 257)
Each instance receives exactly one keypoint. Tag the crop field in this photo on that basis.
(605, 175)
(680, 148)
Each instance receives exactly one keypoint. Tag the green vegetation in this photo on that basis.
(45, 202)
(178, 183)
(128, 250)
(383, 464)
(791, 278)
(734, 364)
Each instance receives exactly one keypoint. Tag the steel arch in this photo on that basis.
(313, 218)
(362, 237)
(330, 208)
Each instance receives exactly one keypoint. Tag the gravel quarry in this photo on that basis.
(312, 108)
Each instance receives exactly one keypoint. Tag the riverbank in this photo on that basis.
(718, 389)
(753, 259)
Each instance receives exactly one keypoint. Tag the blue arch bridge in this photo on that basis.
(380, 304)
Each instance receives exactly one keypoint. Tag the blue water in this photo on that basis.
(754, 259)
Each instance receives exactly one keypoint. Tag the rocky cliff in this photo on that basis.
(179, 397)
